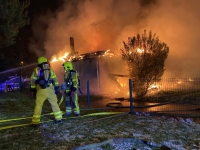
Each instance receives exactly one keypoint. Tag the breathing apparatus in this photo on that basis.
(43, 72)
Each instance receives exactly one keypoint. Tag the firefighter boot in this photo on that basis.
(58, 121)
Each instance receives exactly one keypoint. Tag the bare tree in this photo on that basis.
(145, 57)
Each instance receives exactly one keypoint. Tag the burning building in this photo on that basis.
(104, 70)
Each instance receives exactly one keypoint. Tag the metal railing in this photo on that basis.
(175, 84)
(170, 96)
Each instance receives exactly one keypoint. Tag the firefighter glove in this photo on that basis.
(57, 90)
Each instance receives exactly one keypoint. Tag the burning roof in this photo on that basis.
(76, 56)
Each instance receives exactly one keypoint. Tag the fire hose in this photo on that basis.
(61, 100)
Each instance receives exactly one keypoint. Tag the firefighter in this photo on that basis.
(70, 89)
(44, 84)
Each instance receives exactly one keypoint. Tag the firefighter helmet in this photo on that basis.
(68, 65)
(41, 60)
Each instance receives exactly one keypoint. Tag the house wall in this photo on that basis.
(97, 71)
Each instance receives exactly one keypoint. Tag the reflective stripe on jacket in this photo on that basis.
(73, 80)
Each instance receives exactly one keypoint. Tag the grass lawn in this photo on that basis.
(95, 129)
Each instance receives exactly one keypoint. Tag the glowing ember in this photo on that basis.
(140, 50)
(154, 86)
(191, 80)
(179, 82)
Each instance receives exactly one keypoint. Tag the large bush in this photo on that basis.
(145, 57)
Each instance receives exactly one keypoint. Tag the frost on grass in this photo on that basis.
(173, 133)
(176, 133)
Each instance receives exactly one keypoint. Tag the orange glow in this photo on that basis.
(191, 80)
(54, 59)
(61, 58)
(154, 86)
(140, 50)
(69, 57)
(179, 82)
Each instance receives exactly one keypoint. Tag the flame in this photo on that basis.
(61, 58)
(154, 86)
(140, 50)
(191, 80)
(76, 56)
(179, 82)
(54, 59)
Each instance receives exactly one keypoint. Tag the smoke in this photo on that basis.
(100, 25)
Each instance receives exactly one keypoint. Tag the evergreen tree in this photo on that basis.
(145, 57)
(12, 17)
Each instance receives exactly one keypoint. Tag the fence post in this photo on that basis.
(88, 93)
(131, 98)
(5, 87)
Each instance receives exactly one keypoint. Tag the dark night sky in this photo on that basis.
(38, 7)
(35, 9)
(16, 53)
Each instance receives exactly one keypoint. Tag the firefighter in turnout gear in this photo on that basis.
(44, 84)
(70, 88)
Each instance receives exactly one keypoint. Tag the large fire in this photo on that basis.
(61, 58)
(71, 57)
(76, 56)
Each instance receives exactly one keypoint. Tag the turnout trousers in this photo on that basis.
(72, 104)
(42, 95)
